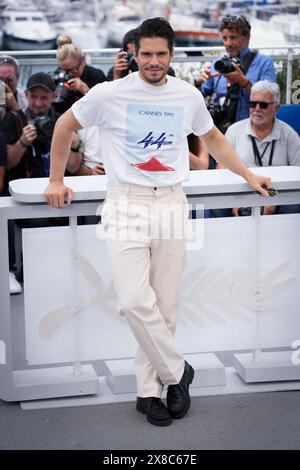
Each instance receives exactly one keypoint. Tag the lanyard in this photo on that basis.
(258, 156)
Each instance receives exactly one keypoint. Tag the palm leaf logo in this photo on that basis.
(207, 295)
(213, 296)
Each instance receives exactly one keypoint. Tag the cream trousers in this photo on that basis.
(145, 234)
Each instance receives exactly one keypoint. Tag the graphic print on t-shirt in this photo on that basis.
(153, 134)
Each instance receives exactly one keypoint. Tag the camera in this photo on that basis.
(44, 126)
(62, 92)
(133, 66)
(244, 211)
(225, 65)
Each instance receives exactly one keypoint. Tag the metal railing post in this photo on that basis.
(289, 71)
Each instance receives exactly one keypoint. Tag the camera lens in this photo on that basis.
(224, 66)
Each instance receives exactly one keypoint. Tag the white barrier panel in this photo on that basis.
(71, 308)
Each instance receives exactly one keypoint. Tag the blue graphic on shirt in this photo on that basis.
(153, 136)
(150, 140)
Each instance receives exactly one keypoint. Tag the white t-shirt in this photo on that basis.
(90, 145)
(143, 128)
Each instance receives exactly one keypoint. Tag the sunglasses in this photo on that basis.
(236, 18)
(261, 104)
(7, 59)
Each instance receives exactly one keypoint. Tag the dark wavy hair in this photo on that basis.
(238, 23)
(155, 28)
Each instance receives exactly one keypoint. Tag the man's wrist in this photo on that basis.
(197, 82)
(248, 175)
(22, 143)
(56, 180)
(246, 83)
(86, 89)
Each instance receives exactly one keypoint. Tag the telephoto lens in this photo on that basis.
(224, 66)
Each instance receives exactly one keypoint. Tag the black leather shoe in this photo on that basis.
(155, 410)
(178, 397)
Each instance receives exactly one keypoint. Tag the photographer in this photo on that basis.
(10, 75)
(125, 58)
(125, 61)
(74, 77)
(14, 285)
(229, 80)
(29, 133)
(28, 141)
(8, 101)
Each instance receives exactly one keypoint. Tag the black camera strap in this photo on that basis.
(248, 60)
(233, 91)
(258, 157)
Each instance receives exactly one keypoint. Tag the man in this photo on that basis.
(28, 141)
(10, 74)
(125, 62)
(14, 285)
(145, 119)
(263, 140)
(29, 133)
(235, 31)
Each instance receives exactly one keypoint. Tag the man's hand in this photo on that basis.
(237, 76)
(121, 64)
(259, 183)
(204, 76)
(98, 169)
(29, 134)
(55, 194)
(78, 85)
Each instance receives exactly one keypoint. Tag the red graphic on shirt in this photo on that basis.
(152, 165)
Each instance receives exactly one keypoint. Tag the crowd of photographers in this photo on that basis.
(28, 118)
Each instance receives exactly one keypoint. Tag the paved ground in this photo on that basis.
(246, 421)
(254, 421)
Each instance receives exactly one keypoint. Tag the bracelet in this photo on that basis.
(246, 84)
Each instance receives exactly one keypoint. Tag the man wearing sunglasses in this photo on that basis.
(263, 140)
(235, 31)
